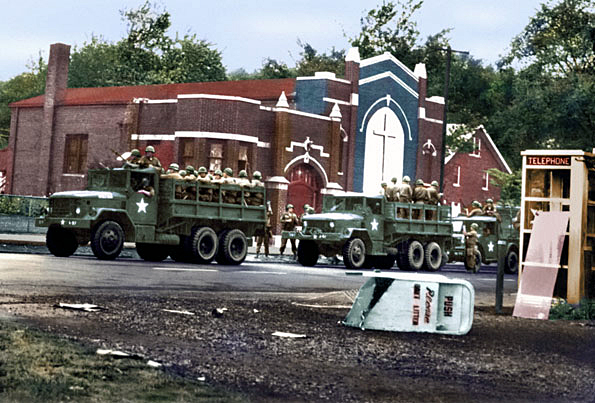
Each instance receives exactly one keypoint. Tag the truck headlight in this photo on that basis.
(331, 225)
(77, 211)
(305, 224)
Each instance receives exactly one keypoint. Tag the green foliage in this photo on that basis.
(509, 184)
(22, 205)
(585, 310)
(274, 69)
(311, 61)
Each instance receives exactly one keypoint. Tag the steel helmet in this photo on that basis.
(476, 203)
(434, 183)
(243, 174)
(174, 167)
(406, 179)
(218, 172)
(202, 170)
(394, 179)
(135, 152)
(489, 200)
(228, 171)
(306, 206)
(419, 182)
(257, 175)
(383, 184)
(190, 169)
(289, 206)
(474, 226)
(182, 173)
(150, 149)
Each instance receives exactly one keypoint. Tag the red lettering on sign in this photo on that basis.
(429, 297)
(448, 302)
(544, 160)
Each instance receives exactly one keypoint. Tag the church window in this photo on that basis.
(457, 183)
(75, 153)
(242, 158)
(486, 181)
(216, 156)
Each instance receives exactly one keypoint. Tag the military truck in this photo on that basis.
(497, 239)
(369, 231)
(163, 216)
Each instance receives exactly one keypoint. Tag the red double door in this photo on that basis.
(305, 185)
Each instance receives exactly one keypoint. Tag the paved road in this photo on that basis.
(46, 274)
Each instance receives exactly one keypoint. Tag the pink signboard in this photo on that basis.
(541, 264)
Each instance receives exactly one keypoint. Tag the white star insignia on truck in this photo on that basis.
(142, 206)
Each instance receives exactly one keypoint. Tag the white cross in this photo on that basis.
(142, 206)
(491, 247)
(384, 134)
(374, 224)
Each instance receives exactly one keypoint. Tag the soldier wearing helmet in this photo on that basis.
(265, 234)
(204, 193)
(289, 220)
(190, 173)
(383, 188)
(490, 210)
(229, 195)
(306, 209)
(420, 196)
(256, 195)
(471, 247)
(433, 199)
(228, 176)
(475, 209)
(392, 191)
(405, 195)
(173, 172)
(149, 159)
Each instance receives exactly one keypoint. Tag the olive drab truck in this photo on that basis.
(369, 231)
(189, 221)
(497, 238)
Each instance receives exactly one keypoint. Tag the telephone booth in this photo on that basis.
(563, 180)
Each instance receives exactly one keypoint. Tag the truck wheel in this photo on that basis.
(107, 240)
(385, 262)
(433, 257)
(307, 253)
(354, 253)
(233, 247)
(151, 252)
(511, 265)
(415, 255)
(204, 245)
(60, 241)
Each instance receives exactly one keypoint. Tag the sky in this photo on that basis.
(247, 32)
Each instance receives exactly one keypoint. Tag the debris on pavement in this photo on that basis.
(154, 364)
(117, 354)
(290, 335)
(255, 310)
(180, 312)
(218, 312)
(80, 307)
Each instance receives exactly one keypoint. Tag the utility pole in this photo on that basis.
(446, 83)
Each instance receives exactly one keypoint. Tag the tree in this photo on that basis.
(509, 184)
(271, 68)
(311, 61)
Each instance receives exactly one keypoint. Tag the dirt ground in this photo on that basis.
(501, 359)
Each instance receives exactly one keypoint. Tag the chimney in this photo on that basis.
(55, 87)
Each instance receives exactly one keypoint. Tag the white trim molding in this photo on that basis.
(310, 159)
(388, 100)
(223, 136)
(335, 101)
(307, 145)
(153, 137)
(219, 97)
(387, 56)
(389, 74)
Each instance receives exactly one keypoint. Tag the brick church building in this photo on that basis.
(308, 136)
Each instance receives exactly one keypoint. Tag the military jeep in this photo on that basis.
(497, 239)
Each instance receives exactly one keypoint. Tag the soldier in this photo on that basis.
(289, 221)
(190, 173)
(204, 193)
(228, 196)
(173, 172)
(306, 212)
(149, 159)
(476, 210)
(265, 235)
(405, 196)
(392, 191)
(218, 180)
(383, 190)
(471, 247)
(433, 199)
(244, 182)
(146, 188)
(228, 176)
(256, 197)
(490, 210)
(420, 196)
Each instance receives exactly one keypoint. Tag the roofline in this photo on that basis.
(387, 56)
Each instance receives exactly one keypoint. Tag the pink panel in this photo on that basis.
(541, 265)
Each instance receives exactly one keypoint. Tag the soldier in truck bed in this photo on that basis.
(149, 159)
(420, 196)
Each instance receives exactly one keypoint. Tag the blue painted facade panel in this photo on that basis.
(309, 96)
(388, 65)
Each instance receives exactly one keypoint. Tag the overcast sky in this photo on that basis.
(246, 32)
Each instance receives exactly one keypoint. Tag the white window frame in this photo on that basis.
(487, 181)
(476, 148)
(458, 182)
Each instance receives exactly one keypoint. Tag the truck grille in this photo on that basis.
(61, 207)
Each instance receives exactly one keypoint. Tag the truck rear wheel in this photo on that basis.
(107, 240)
(60, 241)
(152, 252)
(233, 247)
(511, 265)
(307, 253)
(415, 255)
(204, 245)
(354, 253)
(433, 257)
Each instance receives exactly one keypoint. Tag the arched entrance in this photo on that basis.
(305, 185)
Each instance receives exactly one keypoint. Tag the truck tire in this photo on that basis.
(384, 262)
(60, 241)
(204, 245)
(433, 257)
(415, 255)
(233, 247)
(107, 240)
(354, 254)
(307, 253)
(152, 252)
(511, 264)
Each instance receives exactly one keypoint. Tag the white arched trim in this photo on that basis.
(388, 100)
(310, 159)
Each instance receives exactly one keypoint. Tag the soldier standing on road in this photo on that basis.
(266, 235)
(471, 247)
(149, 159)
(405, 196)
(289, 221)
(433, 199)
(420, 196)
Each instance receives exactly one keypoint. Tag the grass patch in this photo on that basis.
(39, 367)
(585, 310)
